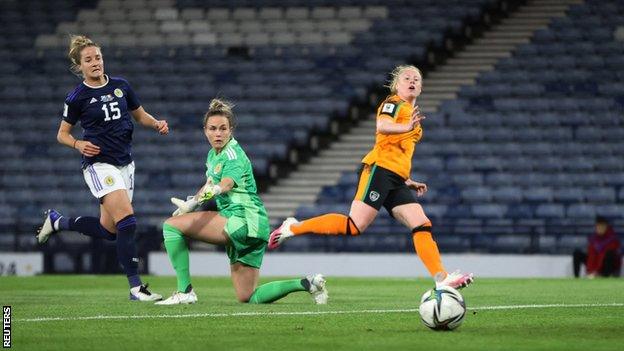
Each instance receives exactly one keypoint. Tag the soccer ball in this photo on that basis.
(442, 308)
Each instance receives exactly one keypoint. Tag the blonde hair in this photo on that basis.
(396, 72)
(77, 44)
(219, 107)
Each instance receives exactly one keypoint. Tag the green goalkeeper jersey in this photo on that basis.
(242, 201)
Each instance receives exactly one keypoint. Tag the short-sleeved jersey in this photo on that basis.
(243, 200)
(394, 152)
(103, 113)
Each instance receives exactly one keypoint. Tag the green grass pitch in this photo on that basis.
(93, 313)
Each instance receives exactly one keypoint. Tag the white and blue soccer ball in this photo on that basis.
(442, 308)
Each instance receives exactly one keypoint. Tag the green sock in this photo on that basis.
(178, 255)
(273, 291)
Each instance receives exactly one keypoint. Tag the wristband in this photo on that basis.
(75, 141)
(217, 190)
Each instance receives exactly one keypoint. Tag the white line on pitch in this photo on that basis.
(304, 313)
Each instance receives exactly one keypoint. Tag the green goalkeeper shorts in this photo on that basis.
(247, 243)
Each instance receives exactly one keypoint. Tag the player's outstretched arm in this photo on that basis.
(147, 120)
(85, 147)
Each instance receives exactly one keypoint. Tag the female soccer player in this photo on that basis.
(385, 181)
(241, 222)
(103, 106)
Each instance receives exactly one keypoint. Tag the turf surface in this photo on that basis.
(93, 313)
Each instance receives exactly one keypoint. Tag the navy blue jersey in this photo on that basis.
(104, 115)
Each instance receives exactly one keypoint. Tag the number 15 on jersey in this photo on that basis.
(111, 111)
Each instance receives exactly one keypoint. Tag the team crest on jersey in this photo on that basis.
(388, 108)
(374, 196)
(217, 168)
(110, 181)
(106, 98)
(118, 93)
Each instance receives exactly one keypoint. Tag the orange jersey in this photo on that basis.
(394, 152)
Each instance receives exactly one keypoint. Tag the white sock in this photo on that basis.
(440, 276)
(55, 225)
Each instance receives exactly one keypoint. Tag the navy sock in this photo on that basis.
(89, 226)
(127, 251)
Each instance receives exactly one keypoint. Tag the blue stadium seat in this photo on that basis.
(489, 210)
(550, 211)
(569, 195)
(581, 211)
(600, 195)
(507, 194)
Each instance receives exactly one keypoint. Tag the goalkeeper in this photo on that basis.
(241, 222)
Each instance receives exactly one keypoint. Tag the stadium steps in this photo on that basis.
(300, 188)
(445, 81)
(482, 55)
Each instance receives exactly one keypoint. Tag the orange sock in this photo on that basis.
(427, 249)
(329, 224)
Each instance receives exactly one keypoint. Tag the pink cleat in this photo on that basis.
(456, 280)
(279, 235)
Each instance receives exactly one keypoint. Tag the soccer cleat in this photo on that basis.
(456, 280)
(179, 298)
(140, 293)
(317, 289)
(47, 229)
(279, 235)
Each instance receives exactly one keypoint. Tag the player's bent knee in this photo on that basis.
(416, 209)
(175, 222)
(423, 228)
(352, 228)
(413, 214)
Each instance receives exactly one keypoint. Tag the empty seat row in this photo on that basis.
(225, 39)
(218, 27)
(152, 11)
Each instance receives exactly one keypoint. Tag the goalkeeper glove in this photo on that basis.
(184, 206)
(209, 191)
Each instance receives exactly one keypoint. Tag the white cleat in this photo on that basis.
(456, 280)
(179, 298)
(140, 293)
(47, 229)
(317, 289)
(281, 234)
